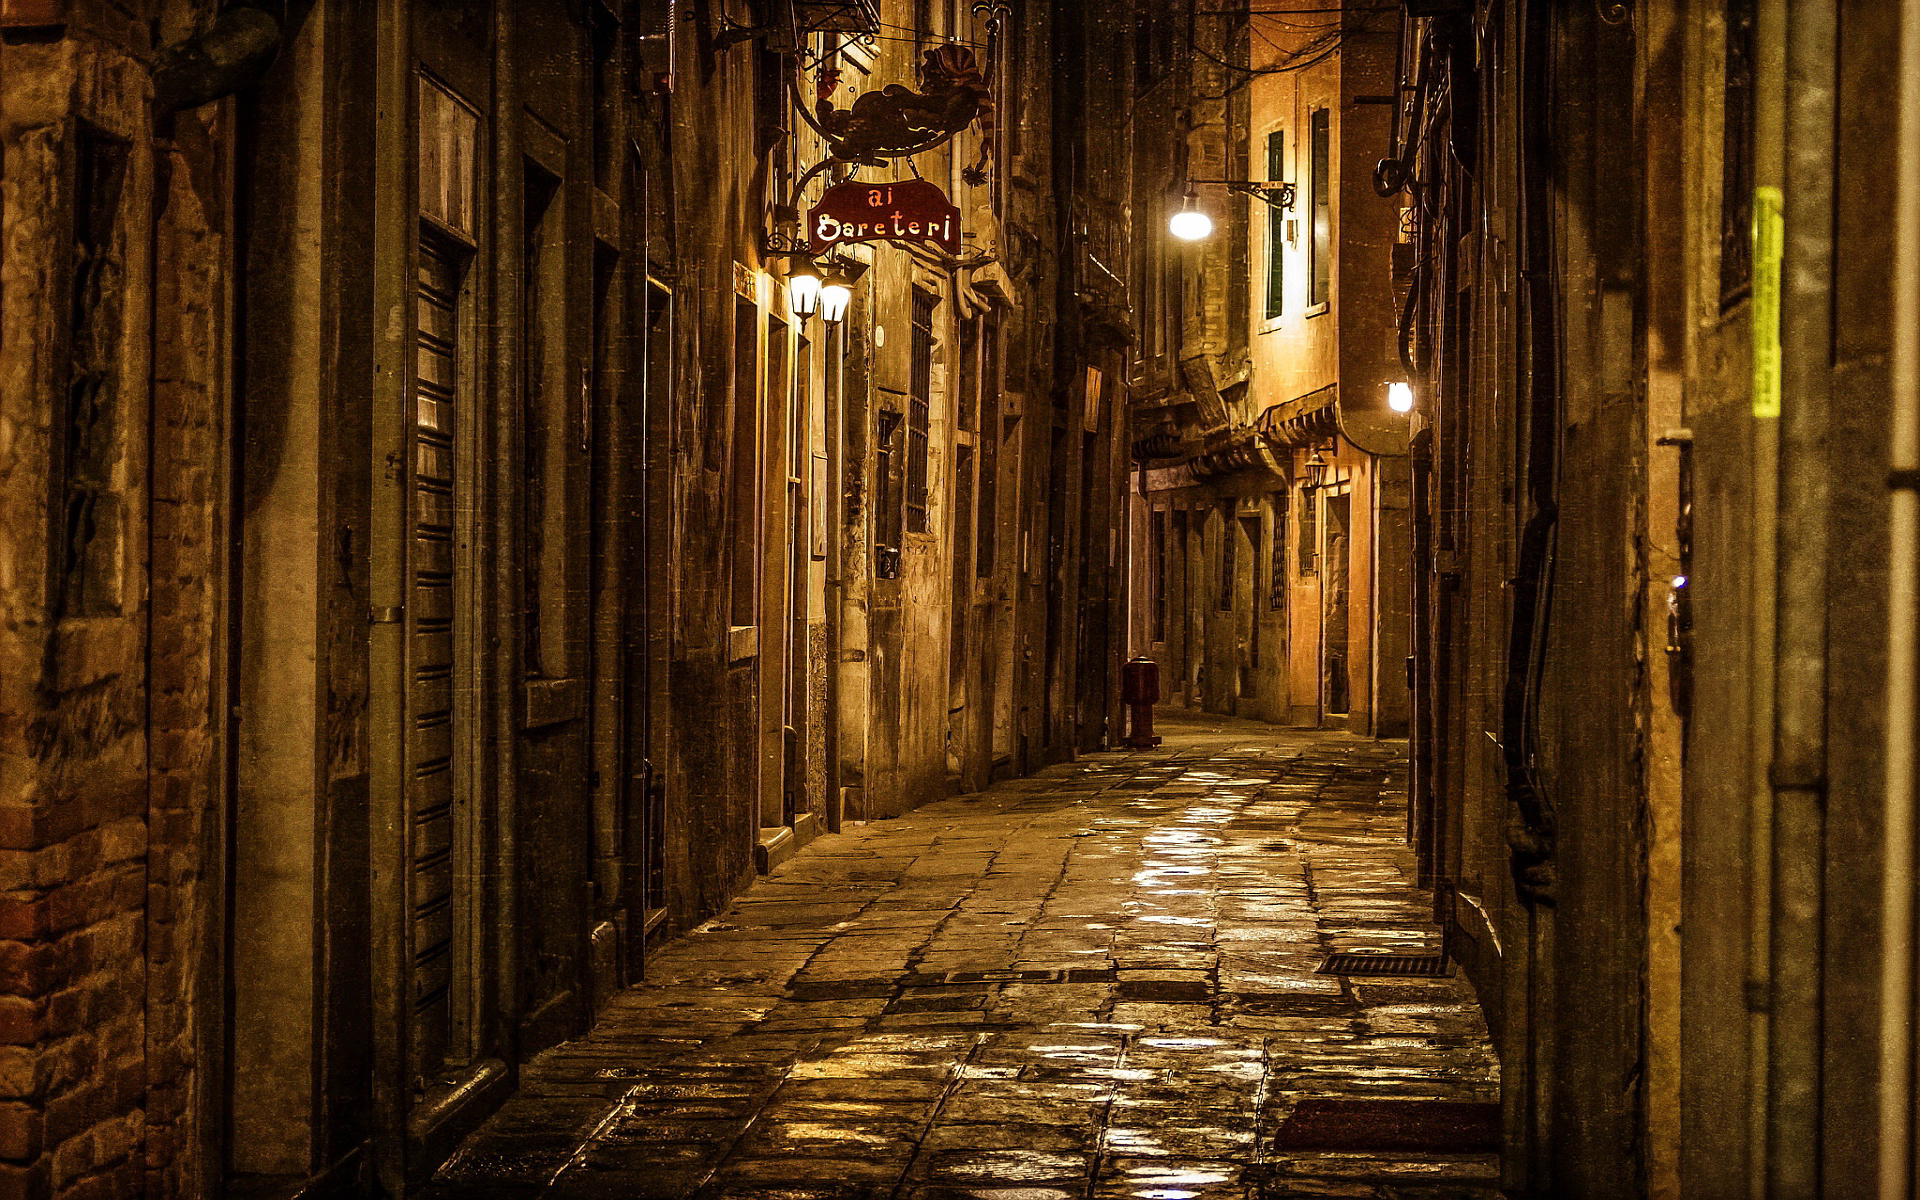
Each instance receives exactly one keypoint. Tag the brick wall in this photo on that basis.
(105, 741)
(185, 533)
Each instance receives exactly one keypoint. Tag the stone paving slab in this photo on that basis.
(1101, 981)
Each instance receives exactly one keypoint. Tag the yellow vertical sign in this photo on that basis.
(1769, 232)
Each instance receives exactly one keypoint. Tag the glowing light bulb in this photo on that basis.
(1400, 397)
(803, 286)
(835, 295)
(1190, 225)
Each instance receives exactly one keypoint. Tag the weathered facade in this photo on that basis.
(440, 564)
(1269, 526)
(1660, 709)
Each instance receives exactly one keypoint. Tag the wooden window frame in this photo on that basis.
(1320, 210)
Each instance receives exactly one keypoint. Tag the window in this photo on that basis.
(1277, 598)
(604, 40)
(967, 378)
(546, 422)
(1320, 254)
(919, 408)
(743, 490)
(87, 528)
(1276, 229)
(1159, 557)
(1153, 42)
(1229, 567)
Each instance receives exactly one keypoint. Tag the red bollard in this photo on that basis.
(1140, 691)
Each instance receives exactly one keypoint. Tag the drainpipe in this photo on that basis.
(228, 55)
(1798, 775)
(1903, 647)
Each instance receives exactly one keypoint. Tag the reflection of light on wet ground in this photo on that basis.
(1068, 1050)
(1169, 837)
(1158, 1182)
(1131, 1141)
(1153, 874)
(1178, 916)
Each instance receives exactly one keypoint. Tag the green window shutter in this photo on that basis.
(1276, 229)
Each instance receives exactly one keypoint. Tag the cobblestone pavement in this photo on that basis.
(1096, 982)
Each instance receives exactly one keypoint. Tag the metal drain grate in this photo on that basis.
(1366, 963)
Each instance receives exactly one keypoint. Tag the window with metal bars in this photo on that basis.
(1277, 600)
(919, 410)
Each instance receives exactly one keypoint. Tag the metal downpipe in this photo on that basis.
(1895, 1116)
(1798, 774)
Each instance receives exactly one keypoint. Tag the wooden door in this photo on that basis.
(1335, 698)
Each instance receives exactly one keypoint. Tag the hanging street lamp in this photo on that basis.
(804, 282)
(1316, 469)
(835, 295)
(837, 292)
(1190, 224)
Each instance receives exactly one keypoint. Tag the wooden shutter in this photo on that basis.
(430, 649)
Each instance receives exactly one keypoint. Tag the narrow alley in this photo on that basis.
(1101, 981)
(959, 599)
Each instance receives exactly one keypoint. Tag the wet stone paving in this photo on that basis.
(1100, 981)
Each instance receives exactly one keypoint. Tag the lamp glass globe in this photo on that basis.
(1400, 397)
(834, 298)
(1190, 225)
(803, 290)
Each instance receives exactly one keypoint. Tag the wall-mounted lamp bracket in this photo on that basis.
(1279, 195)
(785, 236)
(1274, 192)
(732, 33)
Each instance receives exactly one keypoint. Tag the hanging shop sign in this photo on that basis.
(910, 211)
